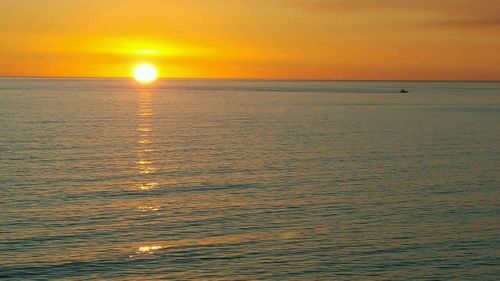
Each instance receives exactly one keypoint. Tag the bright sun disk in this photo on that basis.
(145, 73)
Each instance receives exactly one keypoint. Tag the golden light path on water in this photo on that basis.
(144, 163)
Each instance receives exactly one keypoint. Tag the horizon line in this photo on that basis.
(246, 78)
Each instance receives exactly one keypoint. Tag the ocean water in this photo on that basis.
(249, 180)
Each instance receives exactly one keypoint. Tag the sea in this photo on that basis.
(185, 179)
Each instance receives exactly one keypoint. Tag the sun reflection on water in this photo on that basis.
(146, 186)
(144, 209)
(148, 249)
(144, 164)
(143, 250)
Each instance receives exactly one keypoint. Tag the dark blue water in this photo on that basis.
(249, 180)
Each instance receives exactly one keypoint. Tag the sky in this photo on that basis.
(275, 39)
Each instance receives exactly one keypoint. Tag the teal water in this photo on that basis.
(249, 180)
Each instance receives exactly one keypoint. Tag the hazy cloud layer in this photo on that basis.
(446, 7)
(468, 23)
(460, 14)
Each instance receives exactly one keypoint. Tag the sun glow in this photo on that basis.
(145, 73)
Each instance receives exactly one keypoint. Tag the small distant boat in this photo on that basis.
(403, 91)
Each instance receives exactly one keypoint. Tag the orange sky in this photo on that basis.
(286, 39)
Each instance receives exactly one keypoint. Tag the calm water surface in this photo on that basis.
(249, 180)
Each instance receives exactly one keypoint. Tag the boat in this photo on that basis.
(403, 91)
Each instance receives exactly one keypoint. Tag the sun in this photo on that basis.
(145, 73)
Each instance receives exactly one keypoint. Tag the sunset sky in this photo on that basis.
(284, 39)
